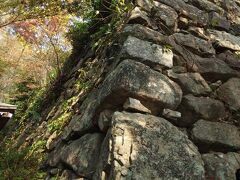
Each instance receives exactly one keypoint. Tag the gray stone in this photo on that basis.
(219, 22)
(232, 59)
(215, 136)
(215, 85)
(80, 123)
(171, 115)
(135, 105)
(224, 39)
(232, 8)
(195, 44)
(147, 52)
(148, 147)
(165, 13)
(54, 171)
(142, 32)
(139, 17)
(207, 6)
(229, 92)
(179, 69)
(145, 4)
(183, 22)
(196, 15)
(54, 156)
(51, 141)
(191, 83)
(82, 154)
(235, 29)
(198, 32)
(68, 175)
(212, 69)
(129, 79)
(104, 164)
(136, 80)
(104, 120)
(195, 108)
(225, 4)
(221, 166)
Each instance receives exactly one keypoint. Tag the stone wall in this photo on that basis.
(168, 104)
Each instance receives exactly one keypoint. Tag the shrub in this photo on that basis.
(16, 165)
(79, 34)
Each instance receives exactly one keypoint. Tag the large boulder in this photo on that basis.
(229, 92)
(149, 147)
(225, 40)
(231, 59)
(195, 108)
(191, 83)
(147, 52)
(165, 13)
(130, 79)
(82, 155)
(216, 136)
(155, 90)
(195, 44)
(196, 15)
(207, 5)
(142, 32)
(219, 22)
(212, 69)
(221, 166)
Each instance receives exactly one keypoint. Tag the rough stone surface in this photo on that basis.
(167, 14)
(68, 175)
(191, 83)
(219, 22)
(225, 40)
(216, 85)
(183, 23)
(50, 142)
(232, 59)
(133, 79)
(229, 92)
(148, 147)
(177, 46)
(82, 122)
(198, 32)
(147, 52)
(196, 15)
(142, 32)
(81, 155)
(207, 6)
(104, 120)
(104, 164)
(195, 108)
(213, 69)
(171, 115)
(139, 17)
(145, 84)
(145, 4)
(216, 136)
(135, 105)
(197, 45)
(221, 166)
